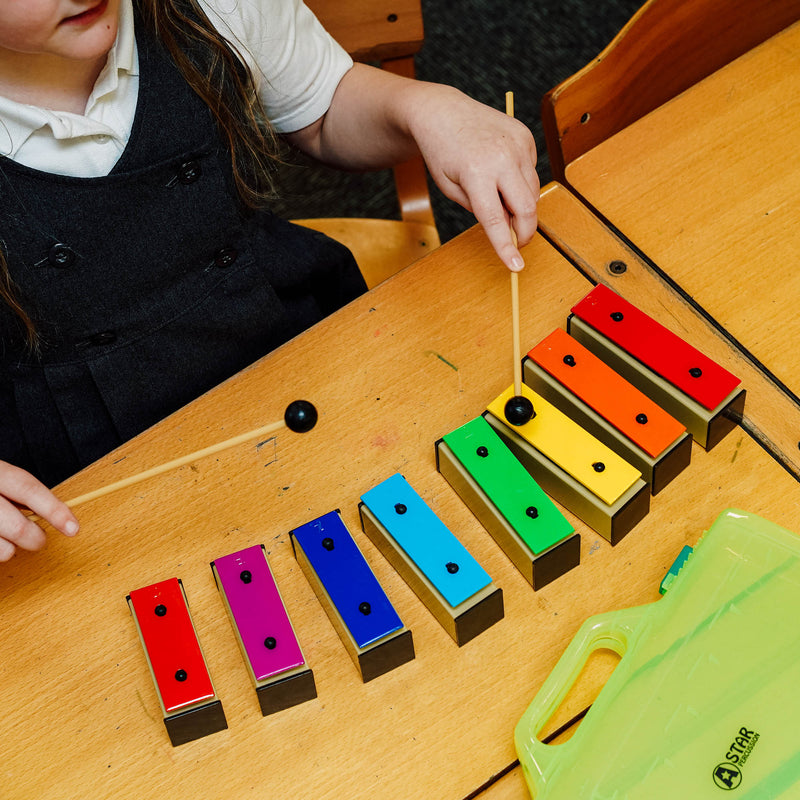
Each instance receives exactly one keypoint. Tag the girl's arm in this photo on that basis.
(16, 530)
(478, 156)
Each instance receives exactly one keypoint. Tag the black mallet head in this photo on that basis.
(518, 410)
(300, 416)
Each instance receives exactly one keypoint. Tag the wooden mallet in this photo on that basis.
(300, 417)
(518, 409)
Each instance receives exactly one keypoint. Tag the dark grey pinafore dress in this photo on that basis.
(149, 285)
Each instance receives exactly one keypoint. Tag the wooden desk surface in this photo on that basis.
(391, 373)
(708, 188)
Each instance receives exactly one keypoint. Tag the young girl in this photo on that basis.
(140, 265)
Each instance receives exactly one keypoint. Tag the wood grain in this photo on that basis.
(771, 415)
(667, 47)
(707, 187)
(389, 374)
(372, 30)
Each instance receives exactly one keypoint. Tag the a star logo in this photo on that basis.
(727, 776)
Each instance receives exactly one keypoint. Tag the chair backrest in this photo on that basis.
(666, 47)
(389, 32)
(372, 30)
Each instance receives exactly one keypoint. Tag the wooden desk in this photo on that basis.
(391, 373)
(707, 187)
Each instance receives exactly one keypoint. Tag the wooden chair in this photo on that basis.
(388, 33)
(666, 47)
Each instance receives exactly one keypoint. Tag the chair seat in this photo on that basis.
(381, 247)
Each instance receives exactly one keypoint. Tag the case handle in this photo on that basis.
(616, 631)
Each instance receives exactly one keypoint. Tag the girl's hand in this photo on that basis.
(482, 159)
(16, 530)
(478, 156)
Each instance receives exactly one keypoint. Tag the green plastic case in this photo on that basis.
(705, 701)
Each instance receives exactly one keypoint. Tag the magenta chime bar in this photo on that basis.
(266, 637)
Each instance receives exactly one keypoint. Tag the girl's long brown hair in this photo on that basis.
(218, 74)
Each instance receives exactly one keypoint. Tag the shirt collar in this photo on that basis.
(122, 56)
(18, 121)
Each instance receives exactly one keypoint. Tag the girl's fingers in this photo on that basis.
(16, 530)
(21, 488)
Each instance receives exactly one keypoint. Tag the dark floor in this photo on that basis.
(485, 48)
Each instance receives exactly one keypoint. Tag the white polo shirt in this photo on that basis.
(296, 64)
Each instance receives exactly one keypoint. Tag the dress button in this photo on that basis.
(226, 257)
(61, 255)
(189, 171)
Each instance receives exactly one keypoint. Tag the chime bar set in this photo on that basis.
(617, 400)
